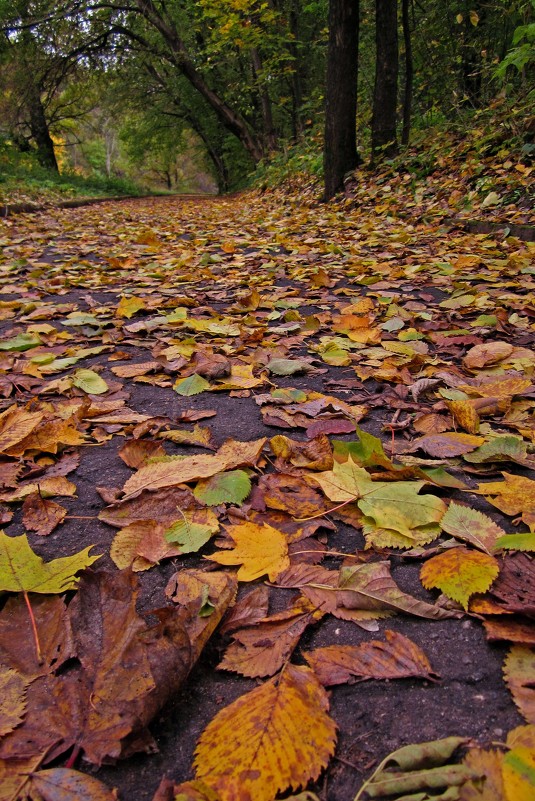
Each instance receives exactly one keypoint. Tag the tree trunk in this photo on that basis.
(231, 120)
(39, 130)
(340, 150)
(270, 136)
(384, 139)
(409, 73)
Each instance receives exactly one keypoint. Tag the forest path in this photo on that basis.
(164, 327)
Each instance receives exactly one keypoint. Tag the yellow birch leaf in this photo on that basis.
(260, 550)
(518, 772)
(518, 671)
(12, 699)
(464, 414)
(471, 525)
(275, 737)
(459, 573)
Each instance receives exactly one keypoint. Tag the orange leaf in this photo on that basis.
(277, 736)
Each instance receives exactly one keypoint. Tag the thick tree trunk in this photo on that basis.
(39, 130)
(409, 73)
(384, 140)
(340, 151)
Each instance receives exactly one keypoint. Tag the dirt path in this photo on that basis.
(269, 317)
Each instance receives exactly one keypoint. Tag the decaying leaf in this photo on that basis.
(277, 736)
(12, 699)
(472, 526)
(518, 672)
(396, 658)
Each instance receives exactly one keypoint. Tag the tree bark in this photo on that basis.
(409, 73)
(340, 149)
(384, 138)
(232, 121)
(39, 130)
(269, 133)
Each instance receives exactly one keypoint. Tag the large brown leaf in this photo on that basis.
(397, 658)
(124, 672)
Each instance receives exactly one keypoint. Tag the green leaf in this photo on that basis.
(231, 487)
(21, 570)
(89, 381)
(21, 343)
(190, 537)
(499, 449)
(517, 542)
(288, 366)
(192, 385)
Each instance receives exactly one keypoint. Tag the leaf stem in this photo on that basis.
(327, 511)
(34, 629)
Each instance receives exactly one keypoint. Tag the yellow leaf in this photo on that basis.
(129, 306)
(15, 425)
(518, 671)
(275, 737)
(465, 415)
(460, 573)
(13, 699)
(259, 550)
(489, 785)
(519, 774)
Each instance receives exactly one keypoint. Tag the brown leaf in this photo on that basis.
(125, 672)
(517, 631)
(12, 699)
(397, 658)
(316, 454)
(15, 425)
(518, 671)
(288, 493)
(445, 445)
(487, 353)
(262, 648)
(141, 545)
(160, 506)
(250, 609)
(232, 454)
(17, 649)
(41, 515)
(135, 452)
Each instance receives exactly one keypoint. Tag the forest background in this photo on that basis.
(129, 96)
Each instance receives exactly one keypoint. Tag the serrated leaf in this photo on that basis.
(277, 736)
(193, 531)
(517, 542)
(519, 669)
(12, 699)
(471, 525)
(519, 774)
(89, 381)
(396, 658)
(259, 549)
(22, 570)
(460, 573)
(231, 487)
(192, 385)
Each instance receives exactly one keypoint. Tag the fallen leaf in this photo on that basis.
(472, 526)
(12, 699)
(460, 573)
(518, 672)
(277, 736)
(396, 658)
(258, 549)
(41, 515)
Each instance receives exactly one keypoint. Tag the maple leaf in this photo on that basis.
(258, 549)
(277, 736)
(396, 658)
(22, 570)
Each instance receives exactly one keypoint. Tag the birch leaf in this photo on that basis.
(460, 573)
(277, 736)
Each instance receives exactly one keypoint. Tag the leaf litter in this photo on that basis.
(363, 469)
